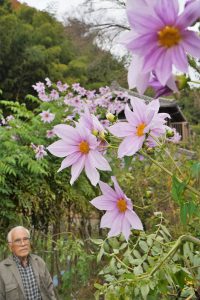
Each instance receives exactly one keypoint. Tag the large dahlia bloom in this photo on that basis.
(160, 38)
(143, 120)
(80, 149)
(119, 216)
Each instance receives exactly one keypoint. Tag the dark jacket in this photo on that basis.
(11, 287)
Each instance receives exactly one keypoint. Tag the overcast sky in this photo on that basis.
(62, 6)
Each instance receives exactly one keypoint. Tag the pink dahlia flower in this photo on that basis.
(46, 116)
(143, 120)
(119, 216)
(80, 149)
(160, 37)
(91, 122)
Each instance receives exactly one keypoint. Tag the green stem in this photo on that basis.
(121, 262)
(171, 174)
(193, 81)
(168, 153)
(181, 239)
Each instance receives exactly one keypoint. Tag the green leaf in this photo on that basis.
(98, 286)
(183, 213)
(165, 230)
(138, 270)
(97, 241)
(100, 254)
(136, 253)
(143, 245)
(196, 170)
(178, 189)
(144, 291)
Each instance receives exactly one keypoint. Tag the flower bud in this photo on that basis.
(102, 135)
(95, 132)
(169, 133)
(182, 81)
(148, 194)
(110, 117)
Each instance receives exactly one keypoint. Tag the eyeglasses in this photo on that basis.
(18, 242)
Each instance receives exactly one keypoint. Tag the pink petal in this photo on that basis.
(118, 190)
(167, 11)
(154, 105)
(126, 228)
(98, 161)
(138, 44)
(61, 148)
(66, 132)
(77, 168)
(139, 108)
(136, 77)
(143, 21)
(116, 225)
(69, 160)
(107, 190)
(130, 145)
(84, 132)
(191, 43)
(179, 58)
(172, 84)
(103, 203)
(163, 68)
(91, 172)
(152, 57)
(131, 117)
(189, 15)
(121, 129)
(133, 219)
(108, 218)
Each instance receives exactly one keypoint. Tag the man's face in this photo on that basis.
(20, 243)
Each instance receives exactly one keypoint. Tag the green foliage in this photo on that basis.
(133, 270)
(35, 46)
(74, 261)
(190, 104)
(31, 187)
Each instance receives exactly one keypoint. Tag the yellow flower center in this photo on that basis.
(121, 205)
(84, 147)
(169, 36)
(140, 129)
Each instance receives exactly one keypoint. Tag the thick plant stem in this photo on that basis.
(190, 188)
(181, 239)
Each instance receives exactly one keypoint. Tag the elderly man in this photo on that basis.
(24, 276)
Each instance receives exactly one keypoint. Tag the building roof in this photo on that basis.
(169, 106)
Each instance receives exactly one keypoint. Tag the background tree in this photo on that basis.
(34, 45)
